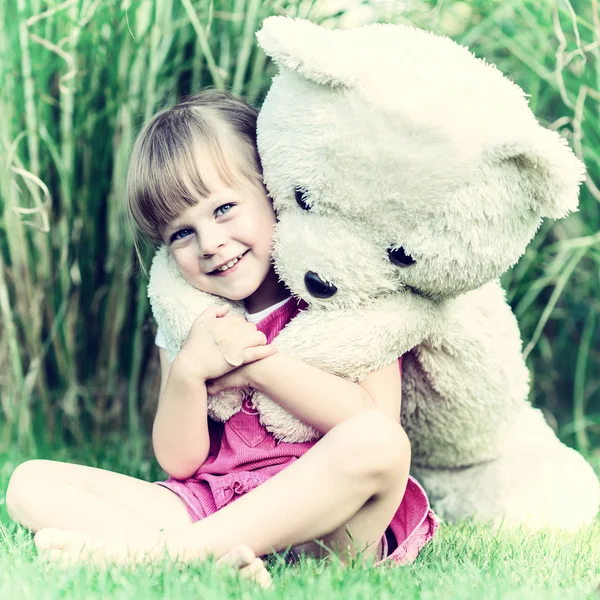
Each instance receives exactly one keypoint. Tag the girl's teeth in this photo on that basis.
(229, 264)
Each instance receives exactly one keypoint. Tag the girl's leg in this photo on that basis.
(86, 500)
(44, 493)
(356, 476)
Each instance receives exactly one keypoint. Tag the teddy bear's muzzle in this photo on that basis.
(317, 287)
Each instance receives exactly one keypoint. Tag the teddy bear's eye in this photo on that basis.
(301, 198)
(399, 257)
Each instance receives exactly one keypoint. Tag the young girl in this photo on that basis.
(195, 184)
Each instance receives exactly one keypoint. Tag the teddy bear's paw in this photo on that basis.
(284, 426)
(224, 405)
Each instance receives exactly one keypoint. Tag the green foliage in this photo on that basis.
(466, 562)
(77, 79)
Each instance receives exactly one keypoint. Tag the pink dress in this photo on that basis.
(243, 454)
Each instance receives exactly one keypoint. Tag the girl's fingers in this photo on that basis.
(212, 389)
(261, 338)
(218, 386)
(215, 312)
(226, 382)
(258, 353)
(232, 346)
(250, 339)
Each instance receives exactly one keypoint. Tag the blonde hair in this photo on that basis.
(164, 175)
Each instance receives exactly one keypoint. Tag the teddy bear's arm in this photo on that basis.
(461, 388)
(352, 343)
(347, 343)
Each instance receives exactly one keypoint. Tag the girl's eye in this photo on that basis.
(223, 209)
(180, 234)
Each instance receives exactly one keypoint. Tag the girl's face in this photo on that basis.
(222, 245)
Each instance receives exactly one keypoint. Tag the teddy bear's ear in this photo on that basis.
(551, 172)
(314, 52)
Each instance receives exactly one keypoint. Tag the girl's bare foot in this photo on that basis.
(250, 566)
(68, 547)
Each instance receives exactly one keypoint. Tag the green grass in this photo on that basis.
(465, 561)
(76, 81)
(461, 562)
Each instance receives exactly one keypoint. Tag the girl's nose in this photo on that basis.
(210, 239)
(208, 250)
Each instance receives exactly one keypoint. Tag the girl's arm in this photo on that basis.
(180, 433)
(316, 397)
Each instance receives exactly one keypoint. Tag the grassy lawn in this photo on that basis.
(78, 78)
(462, 562)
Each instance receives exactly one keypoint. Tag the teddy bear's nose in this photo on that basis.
(317, 287)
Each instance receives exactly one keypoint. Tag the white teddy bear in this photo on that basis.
(407, 176)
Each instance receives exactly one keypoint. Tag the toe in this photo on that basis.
(55, 555)
(47, 539)
(238, 557)
(257, 572)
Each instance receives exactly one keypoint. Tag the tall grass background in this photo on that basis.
(78, 78)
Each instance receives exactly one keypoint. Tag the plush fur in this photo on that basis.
(397, 138)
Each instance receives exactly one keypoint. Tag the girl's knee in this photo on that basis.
(22, 485)
(376, 446)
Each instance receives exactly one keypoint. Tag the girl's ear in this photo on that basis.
(314, 52)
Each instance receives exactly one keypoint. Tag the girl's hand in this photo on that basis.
(218, 343)
(242, 377)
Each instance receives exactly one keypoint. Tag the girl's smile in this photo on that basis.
(222, 244)
(229, 267)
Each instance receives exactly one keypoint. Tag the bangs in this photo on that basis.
(176, 158)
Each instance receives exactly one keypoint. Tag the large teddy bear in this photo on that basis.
(407, 176)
